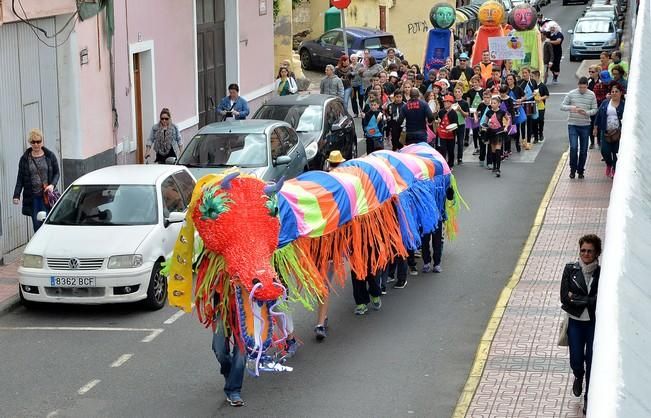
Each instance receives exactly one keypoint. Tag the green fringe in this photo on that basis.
(297, 279)
(452, 209)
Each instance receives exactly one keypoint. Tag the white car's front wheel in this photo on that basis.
(157, 290)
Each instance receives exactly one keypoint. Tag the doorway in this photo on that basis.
(143, 97)
(211, 58)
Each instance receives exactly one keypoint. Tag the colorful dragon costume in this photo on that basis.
(262, 245)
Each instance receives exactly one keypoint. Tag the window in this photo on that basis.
(330, 38)
(278, 143)
(340, 40)
(186, 184)
(382, 42)
(172, 197)
(245, 150)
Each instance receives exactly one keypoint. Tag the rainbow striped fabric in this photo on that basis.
(317, 203)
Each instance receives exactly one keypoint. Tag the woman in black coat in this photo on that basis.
(38, 172)
(579, 287)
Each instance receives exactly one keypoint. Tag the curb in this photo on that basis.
(10, 304)
(477, 370)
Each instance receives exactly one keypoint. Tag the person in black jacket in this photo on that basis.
(396, 119)
(38, 172)
(579, 287)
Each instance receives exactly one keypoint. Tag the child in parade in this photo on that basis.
(373, 124)
(460, 105)
(541, 94)
(482, 108)
(495, 124)
(474, 98)
(446, 130)
(396, 119)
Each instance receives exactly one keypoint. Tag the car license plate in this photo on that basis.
(595, 48)
(58, 281)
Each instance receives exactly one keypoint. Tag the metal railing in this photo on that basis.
(620, 385)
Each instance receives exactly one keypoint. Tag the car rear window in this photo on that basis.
(380, 42)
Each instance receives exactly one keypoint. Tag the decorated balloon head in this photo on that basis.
(523, 17)
(491, 13)
(442, 16)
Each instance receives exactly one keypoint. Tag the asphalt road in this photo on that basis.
(409, 359)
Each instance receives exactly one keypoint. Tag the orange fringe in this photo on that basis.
(368, 242)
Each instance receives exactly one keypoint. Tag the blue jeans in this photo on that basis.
(231, 360)
(580, 336)
(609, 151)
(38, 205)
(579, 138)
(347, 93)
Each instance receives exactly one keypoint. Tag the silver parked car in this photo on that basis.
(591, 36)
(269, 149)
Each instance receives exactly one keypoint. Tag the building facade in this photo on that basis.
(98, 85)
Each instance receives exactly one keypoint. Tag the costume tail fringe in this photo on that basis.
(304, 282)
(369, 242)
(453, 208)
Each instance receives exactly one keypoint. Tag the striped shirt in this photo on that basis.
(586, 101)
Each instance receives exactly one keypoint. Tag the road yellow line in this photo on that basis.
(496, 317)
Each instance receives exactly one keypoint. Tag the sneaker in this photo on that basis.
(361, 309)
(581, 176)
(476, 151)
(572, 174)
(234, 399)
(459, 162)
(413, 271)
(466, 144)
(427, 268)
(400, 284)
(577, 387)
(437, 268)
(320, 332)
(384, 290)
(542, 139)
(417, 254)
(291, 346)
(376, 303)
(498, 173)
(555, 80)
(391, 279)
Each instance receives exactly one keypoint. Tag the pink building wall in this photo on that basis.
(170, 25)
(95, 88)
(256, 48)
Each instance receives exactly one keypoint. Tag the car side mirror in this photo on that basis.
(170, 160)
(570, 31)
(283, 160)
(40, 216)
(174, 217)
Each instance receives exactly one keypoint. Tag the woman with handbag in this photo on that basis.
(608, 125)
(38, 174)
(579, 287)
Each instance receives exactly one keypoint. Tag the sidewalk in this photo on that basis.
(9, 285)
(519, 371)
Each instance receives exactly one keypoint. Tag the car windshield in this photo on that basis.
(381, 42)
(226, 150)
(106, 205)
(303, 118)
(593, 26)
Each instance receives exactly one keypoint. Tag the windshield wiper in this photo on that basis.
(216, 165)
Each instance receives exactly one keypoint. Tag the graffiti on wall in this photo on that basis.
(417, 27)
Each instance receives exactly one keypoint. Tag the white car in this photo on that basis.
(106, 237)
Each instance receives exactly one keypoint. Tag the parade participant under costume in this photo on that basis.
(495, 122)
(446, 130)
(491, 16)
(439, 38)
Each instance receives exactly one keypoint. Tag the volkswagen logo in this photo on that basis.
(73, 263)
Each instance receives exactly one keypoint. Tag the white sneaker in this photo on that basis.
(437, 268)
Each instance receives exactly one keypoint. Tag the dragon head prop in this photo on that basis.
(241, 225)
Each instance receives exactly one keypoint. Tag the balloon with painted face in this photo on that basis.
(442, 16)
(523, 17)
(491, 13)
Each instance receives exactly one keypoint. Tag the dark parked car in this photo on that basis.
(321, 121)
(329, 47)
